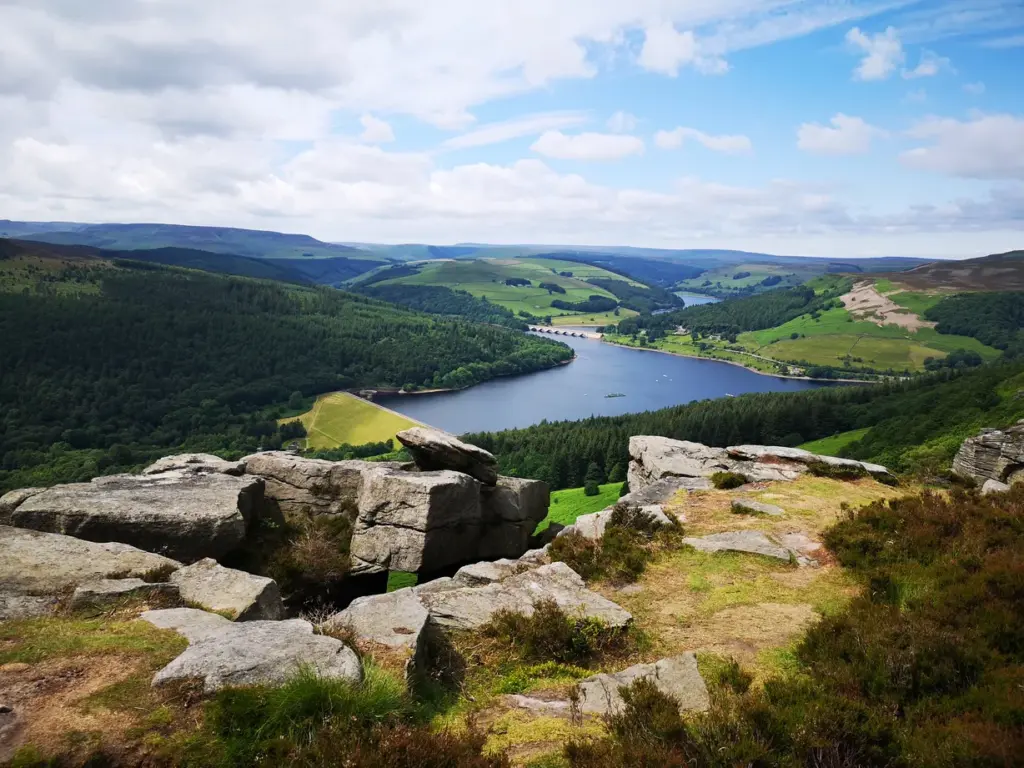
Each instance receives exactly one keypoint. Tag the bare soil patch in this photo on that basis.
(864, 302)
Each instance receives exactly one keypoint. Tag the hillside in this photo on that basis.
(999, 272)
(107, 362)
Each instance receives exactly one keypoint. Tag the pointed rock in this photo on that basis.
(433, 449)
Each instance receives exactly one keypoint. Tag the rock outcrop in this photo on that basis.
(107, 591)
(196, 463)
(677, 677)
(755, 543)
(239, 595)
(994, 454)
(752, 507)
(392, 625)
(468, 608)
(298, 485)
(226, 653)
(37, 568)
(184, 515)
(657, 458)
(510, 512)
(433, 449)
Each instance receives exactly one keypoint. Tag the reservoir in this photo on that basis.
(645, 380)
(695, 299)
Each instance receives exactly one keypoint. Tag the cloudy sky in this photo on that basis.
(819, 127)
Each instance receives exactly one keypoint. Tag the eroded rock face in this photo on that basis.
(657, 458)
(223, 653)
(471, 607)
(183, 515)
(195, 463)
(510, 513)
(309, 486)
(241, 595)
(433, 449)
(993, 454)
(36, 568)
(677, 677)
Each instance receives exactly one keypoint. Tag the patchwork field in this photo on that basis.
(486, 278)
(338, 418)
(594, 320)
(722, 280)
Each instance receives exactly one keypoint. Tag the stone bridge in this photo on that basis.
(565, 332)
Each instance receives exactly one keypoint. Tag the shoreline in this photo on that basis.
(741, 365)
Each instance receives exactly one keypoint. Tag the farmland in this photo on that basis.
(338, 418)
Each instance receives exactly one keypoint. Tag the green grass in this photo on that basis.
(884, 285)
(34, 640)
(601, 318)
(721, 277)
(400, 580)
(918, 303)
(830, 446)
(568, 504)
(486, 277)
(338, 418)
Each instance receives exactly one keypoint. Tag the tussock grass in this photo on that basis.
(31, 641)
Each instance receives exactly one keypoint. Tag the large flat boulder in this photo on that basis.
(993, 454)
(239, 595)
(677, 677)
(106, 591)
(183, 515)
(797, 547)
(196, 463)
(767, 454)
(390, 625)
(299, 485)
(433, 449)
(468, 608)
(656, 458)
(36, 568)
(415, 521)
(226, 653)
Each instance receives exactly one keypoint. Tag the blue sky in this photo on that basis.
(832, 127)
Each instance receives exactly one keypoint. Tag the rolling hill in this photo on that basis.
(999, 272)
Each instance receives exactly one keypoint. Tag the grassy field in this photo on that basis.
(830, 446)
(570, 503)
(602, 318)
(722, 278)
(486, 277)
(339, 417)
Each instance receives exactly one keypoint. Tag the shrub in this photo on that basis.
(725, 481)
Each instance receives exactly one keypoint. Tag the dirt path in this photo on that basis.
(864, 302)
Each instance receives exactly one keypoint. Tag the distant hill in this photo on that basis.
(999, 272)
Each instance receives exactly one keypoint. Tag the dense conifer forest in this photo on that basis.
(438, 300)
(104, 367)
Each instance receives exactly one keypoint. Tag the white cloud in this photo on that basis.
(929, 66)
(975, 89)
(728, 144)
(847, 136)
(1009, 41)
(883, 53)
(587, 146)
(985, 147)
(622, 122)
(527, 125)
(375, 130)
(666, 50)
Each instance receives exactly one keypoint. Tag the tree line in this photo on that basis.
(439, 300)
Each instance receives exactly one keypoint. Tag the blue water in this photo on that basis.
(649, 380)
(695, 299)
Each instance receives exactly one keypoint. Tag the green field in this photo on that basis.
(339, 418)
(601, 318)
(830, 446)
(722, 282)
(486, 278)
(568, 504)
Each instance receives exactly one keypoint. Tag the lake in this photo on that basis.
(648, 380)
(695, 299)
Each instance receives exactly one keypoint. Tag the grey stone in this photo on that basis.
(752, 507)
(433, 449)
(510, 513)
(111, 590)
(299, 485)
(488, 572)
(677, 677)
(183, 515)
(36, 568)
(994, 454)
(534, 704)
(537, 556)
(993, 486)
(415, 521)
(226, 653)
(656, 458)
(594, 525)
(435, 585)
(244, 596)
(471, 607)
(766, 453)
(196, 463)
(397, 621)
(804, 548)
(754, 542)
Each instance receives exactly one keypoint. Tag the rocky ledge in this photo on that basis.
(995, 457)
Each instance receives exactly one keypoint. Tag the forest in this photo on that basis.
(995, 319)
(660, 272)
(914, 425)
(639, 298)
(159, 359)
(439, 300)
(594, 303)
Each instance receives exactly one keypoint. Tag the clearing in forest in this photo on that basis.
(339, 418)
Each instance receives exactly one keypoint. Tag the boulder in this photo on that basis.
(656, 458)
(593, 526)
(993, 486)
(488, 572)
(196, 463)
(994, 454)
(104, 591)
(394, 623)
(433, 449)
(226, 653)
(752, 507)
(415, 521)
(677, 677)
(299, 485)
(183, 515)
(754, 542)
(471, 607)
(661, 492)
(241, 595)
(37, 568)
(510, 513)
(770, 453)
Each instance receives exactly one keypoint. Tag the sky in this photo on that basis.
(810, 127)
